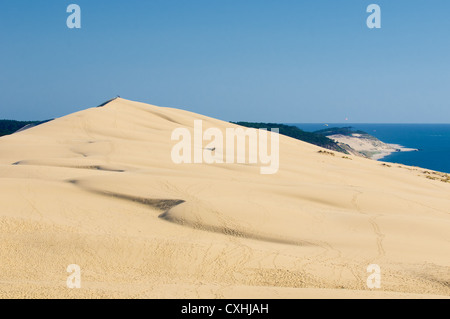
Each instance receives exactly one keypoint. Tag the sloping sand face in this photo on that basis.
(99, 189)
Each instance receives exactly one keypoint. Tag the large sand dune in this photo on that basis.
(98, 188)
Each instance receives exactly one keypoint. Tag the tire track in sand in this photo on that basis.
(376, 228)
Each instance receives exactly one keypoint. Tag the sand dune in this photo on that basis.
(98, 188)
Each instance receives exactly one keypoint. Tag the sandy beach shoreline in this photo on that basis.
(370, 147)
(395, 148)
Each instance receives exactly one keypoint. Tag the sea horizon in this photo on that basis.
(432, 141)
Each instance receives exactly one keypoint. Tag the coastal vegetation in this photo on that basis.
(8, 127)
(295, 132)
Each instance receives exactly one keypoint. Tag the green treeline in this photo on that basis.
(294, 132)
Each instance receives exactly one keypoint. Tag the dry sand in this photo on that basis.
(98, 188)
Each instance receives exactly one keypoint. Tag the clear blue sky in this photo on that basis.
(277, 61)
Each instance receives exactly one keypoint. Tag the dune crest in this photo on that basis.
(98, 188)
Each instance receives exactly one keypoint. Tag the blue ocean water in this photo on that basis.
(432, 140)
